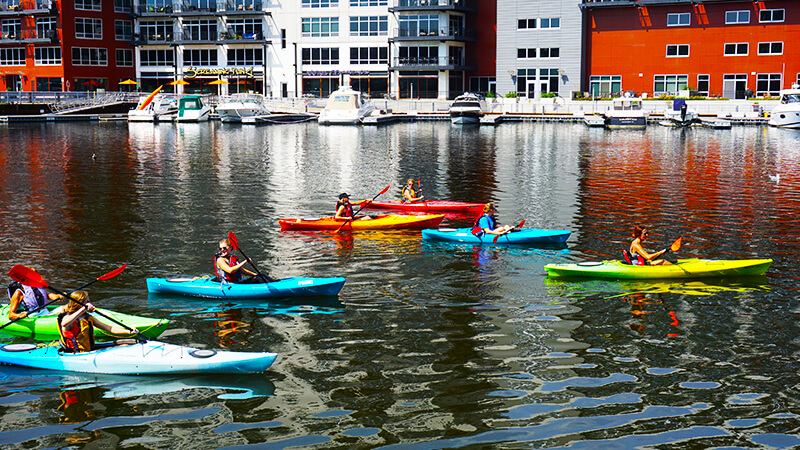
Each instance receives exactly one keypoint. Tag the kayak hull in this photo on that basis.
(523, 236)
(148, 358)
(45, 328)
(384, 222)
(208, 287)
(683, 268)
(433, 206)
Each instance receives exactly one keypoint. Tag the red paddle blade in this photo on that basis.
(494, 241)
(232, 239)
(384, 190)
(27, 276)
(521, 223)
(676, 245)
(113, 273)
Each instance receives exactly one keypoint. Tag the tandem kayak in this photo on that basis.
(432, 206)
(683, 268)
(212, 288)
(523, 236)
(384, 222)
(142, 358)
(45, 328)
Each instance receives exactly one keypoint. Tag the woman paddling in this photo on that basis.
(27, 301)
(638, 254)
(488, 224)
(76, 326)
(410, 195)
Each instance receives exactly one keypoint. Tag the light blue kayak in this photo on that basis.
(523, 236)
(212, 288)
(147, 358)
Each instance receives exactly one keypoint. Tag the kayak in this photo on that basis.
(211, 287)
(45, 328)
(384, 222)
(432, 206)
(141, 358)
(683, 268)
(523, 236)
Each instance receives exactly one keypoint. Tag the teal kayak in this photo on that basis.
(523, 236)
(141, 358)
(683, 268)
(212, 288)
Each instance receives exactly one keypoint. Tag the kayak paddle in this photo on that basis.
(494, 241)
(419, 188)
(362, 207)
(674, 247)
(30, 277)
(235, 244)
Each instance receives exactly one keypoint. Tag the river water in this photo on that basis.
(429, 345)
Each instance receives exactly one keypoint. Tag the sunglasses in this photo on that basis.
(224, 248)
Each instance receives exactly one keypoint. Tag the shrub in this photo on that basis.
(511, 95)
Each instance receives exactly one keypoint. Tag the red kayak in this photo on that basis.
(432, 206)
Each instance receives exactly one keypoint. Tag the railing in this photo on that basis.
(433, 61)
(199, 6)
(431, 4)
(436, 33)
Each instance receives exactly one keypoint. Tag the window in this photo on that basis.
(419, 25)
(369, 26)
(320, 3)
(526, 53)
(549, 52)
(771, 15)
(11, 29)
(47, 56)
(200, 30)
(419, 55)
(86, 28)
(524, 24)
(44, 25)
(679, 19)
(159, 30)
(283, 38)
(366, 3)
(770, 48)
(123, 30)
(48, 84)
(318, 56)
(124, 57)
(320, 26)
(702, 84)
(152, 58)
(768, 84)
(546, 79)
(669, 84)
(122, 6)
(200, 57)
(605, 85)
(89, 5)
(736, 49)
(680, 50)
(82, 56)
(482, 84)
(245, 56)
(245, 28)
(12, 56)
(732, 17)
(369, 55)
(554, 22)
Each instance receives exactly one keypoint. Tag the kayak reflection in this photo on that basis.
(642, 305)
(181, 305)
(580, 287)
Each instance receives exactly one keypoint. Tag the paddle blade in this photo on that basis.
(113, 273)
(384, 190)
(521, 223)
(494, 241)
(27, 276)
(232, 239)
(676, 245)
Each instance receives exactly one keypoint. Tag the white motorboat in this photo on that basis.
(466, 108)
(192, 108)
(153, 107)
(626, 112)
(787, 114)
(345, 107)
(239, 106)
(680, 115)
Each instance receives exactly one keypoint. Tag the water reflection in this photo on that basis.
(707, 286)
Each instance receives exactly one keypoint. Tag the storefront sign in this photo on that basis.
(193, 72)
(327, 73)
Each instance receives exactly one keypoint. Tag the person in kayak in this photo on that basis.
(76, 325)
(27, 301)
(344, 209)
(410, 195)
(638, 256)
(227, 265)
(488, 224)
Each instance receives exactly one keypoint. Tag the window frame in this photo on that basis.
(737, 46)
(770, 44)
(678, 48)
(772, 12)
(738, 20)
(679, 16)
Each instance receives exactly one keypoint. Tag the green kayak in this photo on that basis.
(45, 328)
(683, 268)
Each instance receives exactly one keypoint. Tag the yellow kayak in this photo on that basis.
(683, 268)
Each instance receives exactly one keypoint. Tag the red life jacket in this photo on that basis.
(79, 337)
(348, 208)
(234, 276)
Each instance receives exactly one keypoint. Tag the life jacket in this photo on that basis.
(348, 208)
(79, 337)
(478, 230)
(634, 259)
(32, 298)
(411, 192)
(234, 276)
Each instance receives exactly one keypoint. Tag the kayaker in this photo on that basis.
(488, 224)
(344, 209)
(639, 256)
(29, 301)
(410, 195)
(76, 325)
(227, 265)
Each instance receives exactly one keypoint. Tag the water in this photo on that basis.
(429, 345)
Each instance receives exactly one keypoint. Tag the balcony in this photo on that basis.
(232, 37)
(434, 5)
(163, 38)
(243, 7)
(413, 34)
(432, 63)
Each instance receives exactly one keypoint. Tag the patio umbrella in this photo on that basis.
(128, 82)
(181, 81)
(215, 82)
(92, 83)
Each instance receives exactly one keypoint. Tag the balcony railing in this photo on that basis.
(156, 7)
(430, 62)
(423, 5)
(433, 33)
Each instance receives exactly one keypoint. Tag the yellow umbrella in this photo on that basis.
(218, 82)
(128, 82)
(176, 82)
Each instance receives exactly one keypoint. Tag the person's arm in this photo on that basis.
(16, 299)
(339, 213)
(484, 224)
(637, 248)
(53, 296)
(112, 329)
(68, 319)
(222, 264)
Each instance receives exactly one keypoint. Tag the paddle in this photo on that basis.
(362, 207)
(494, 241)
(235, 244)
(674, 247)
(30, 277)
(419, 188)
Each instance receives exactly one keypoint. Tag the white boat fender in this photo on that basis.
(201, 353)
(590, 263)
(19, 347)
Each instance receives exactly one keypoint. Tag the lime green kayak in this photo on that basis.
(45, 328)
(684, 268)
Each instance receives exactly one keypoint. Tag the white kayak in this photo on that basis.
(143, 358)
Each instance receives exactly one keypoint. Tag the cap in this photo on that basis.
(343, 195)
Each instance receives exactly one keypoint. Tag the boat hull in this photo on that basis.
(523, 236)
(287, 287)
(637, 123)
(433, 206)
(683, 268)
(45, 328)
(148, 358)
(385, 222)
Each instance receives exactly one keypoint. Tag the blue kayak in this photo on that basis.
(211, 287)
(523, 236)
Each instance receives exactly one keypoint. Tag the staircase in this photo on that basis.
(83, 104)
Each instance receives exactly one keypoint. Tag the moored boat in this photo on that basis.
(466, 109)
(384, 222)
(433, 206)
(683, 268)
(523, 236)
(239, 106)
(141, 358)
(192, 108)
(626, 112)
(213, 288)
(45, 327)
(787, 114)
(153, 108)
(345, 107)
